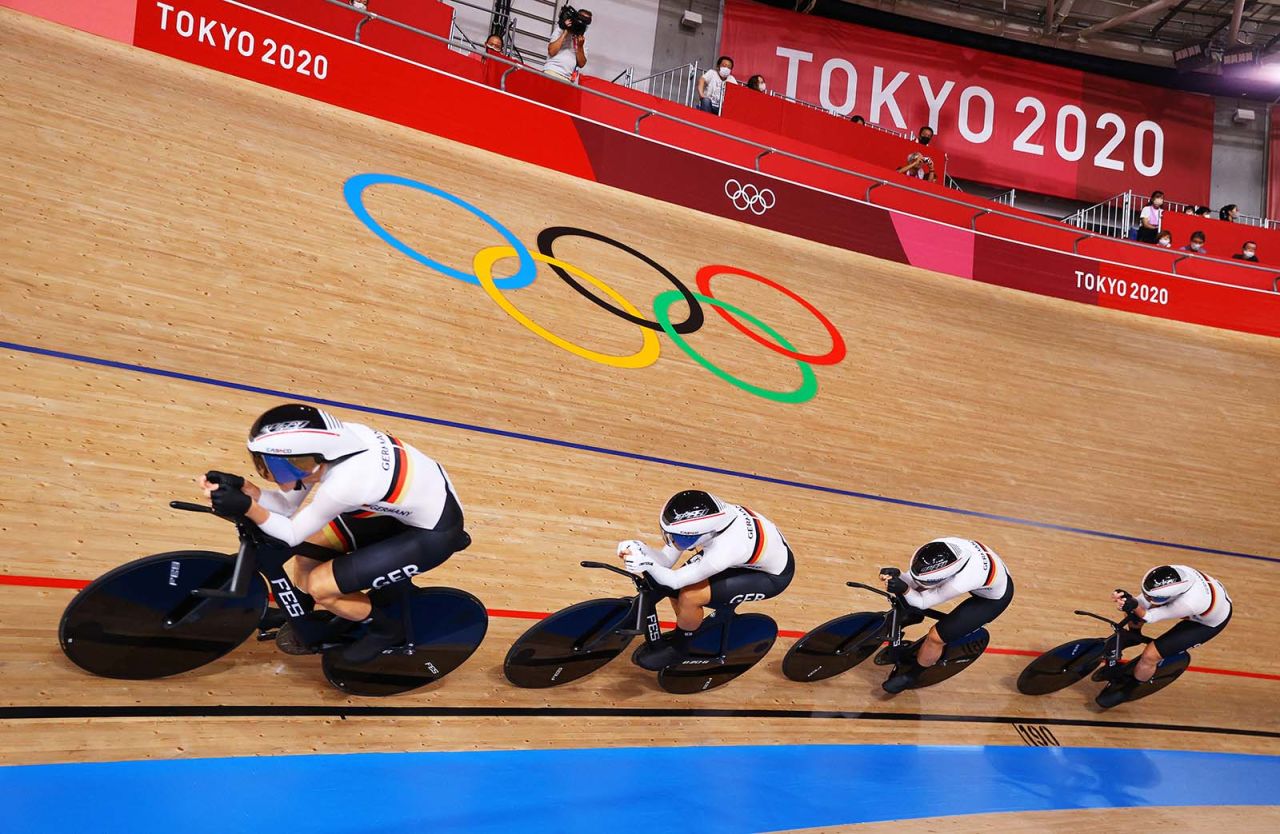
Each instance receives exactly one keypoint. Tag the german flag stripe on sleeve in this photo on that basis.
(759, 549)
(399, 473)
(1213, 595)
(339, 535)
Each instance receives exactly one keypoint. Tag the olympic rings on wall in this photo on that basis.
(486, 259)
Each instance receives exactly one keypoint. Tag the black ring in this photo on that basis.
(547, 238)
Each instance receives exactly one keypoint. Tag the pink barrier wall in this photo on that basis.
(109, 18)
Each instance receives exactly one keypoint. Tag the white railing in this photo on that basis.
(678, 84)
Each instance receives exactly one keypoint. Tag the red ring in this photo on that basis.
(831, 357)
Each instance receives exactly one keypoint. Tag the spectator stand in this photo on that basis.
(690, 130)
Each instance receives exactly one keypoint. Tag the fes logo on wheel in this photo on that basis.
(746, 197)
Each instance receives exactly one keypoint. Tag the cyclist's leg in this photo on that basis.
(1184, 636)
(341, 535)
(689, 605)
(966, 617)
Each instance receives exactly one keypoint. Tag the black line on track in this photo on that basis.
(64, 712)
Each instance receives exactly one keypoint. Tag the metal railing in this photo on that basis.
(1113, 217)
(678, 84)
(1006, 198)
(766, 150)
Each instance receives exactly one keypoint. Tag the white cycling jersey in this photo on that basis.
(388, 478)
(983, 575)
(1206, 602)
(750, 541)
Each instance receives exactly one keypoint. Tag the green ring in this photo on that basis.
(809, 380)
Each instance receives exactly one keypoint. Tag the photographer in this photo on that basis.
(568, 53)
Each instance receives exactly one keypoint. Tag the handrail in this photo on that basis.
(1075, 244)
(1275, 284)
(973, 221)
(875, 180)
(761, 156)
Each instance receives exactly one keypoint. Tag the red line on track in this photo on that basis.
(76, 584)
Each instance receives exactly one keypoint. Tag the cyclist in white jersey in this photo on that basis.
(1173, 592)
(940, 571)
(735, 556)
(391, 509)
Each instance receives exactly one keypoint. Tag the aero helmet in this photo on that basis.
(937, 562)
(295, 430)
(1167, 582)
(694, 517)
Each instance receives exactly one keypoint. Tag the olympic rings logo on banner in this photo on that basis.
(482, 275)
(748, 197)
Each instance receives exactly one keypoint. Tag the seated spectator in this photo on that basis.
(858, 120)
(1165, 239)
(1248, 252)
(1149, 218)
(919, 166)
(924, 135)
(711, 85)
(1229, 212)
(756, 82)
(1202, 211)
(1197, 244)
(567, 54)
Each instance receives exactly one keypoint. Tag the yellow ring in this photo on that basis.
(483, 263)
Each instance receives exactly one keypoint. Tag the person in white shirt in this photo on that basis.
(568, 53)
(940, 571)
(711, 85)
(385, 510)
(1174, 592)
(735, 556)
(1149, 219)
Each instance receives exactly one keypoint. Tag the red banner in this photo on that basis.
(1001, 120)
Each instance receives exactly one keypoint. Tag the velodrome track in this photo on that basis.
(179, 254)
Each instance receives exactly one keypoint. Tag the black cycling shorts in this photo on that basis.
(737, 585)
(1187, 635)
(972, 614)
(381, 550)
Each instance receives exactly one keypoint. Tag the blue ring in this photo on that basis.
(354, 188)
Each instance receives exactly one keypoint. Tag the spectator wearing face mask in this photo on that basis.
(924, 135)
(1149, 219)
(1229, 212)
(1248, 252)
(711, 85)
(1197, 244)
(756, 82)
(1165, 239)
(858, 120)
(1202, 211)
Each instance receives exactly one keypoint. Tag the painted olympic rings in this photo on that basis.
(547, 239)
(483, 265)
(486, 259)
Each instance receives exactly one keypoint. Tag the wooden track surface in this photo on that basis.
(161, 215)
(1244, 819)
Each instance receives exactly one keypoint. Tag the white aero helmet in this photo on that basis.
(294, 430)
(938, 561)
(1167, 582)
(693, 518)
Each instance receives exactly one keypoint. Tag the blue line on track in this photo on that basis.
(583, 447)
(726, 790)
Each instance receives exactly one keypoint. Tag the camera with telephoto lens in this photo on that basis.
(575, 21)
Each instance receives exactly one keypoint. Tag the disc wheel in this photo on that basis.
(448, 626)
(142, 621)
(750, 638)
(1062, 666)
(834, 647)
(569, 644)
